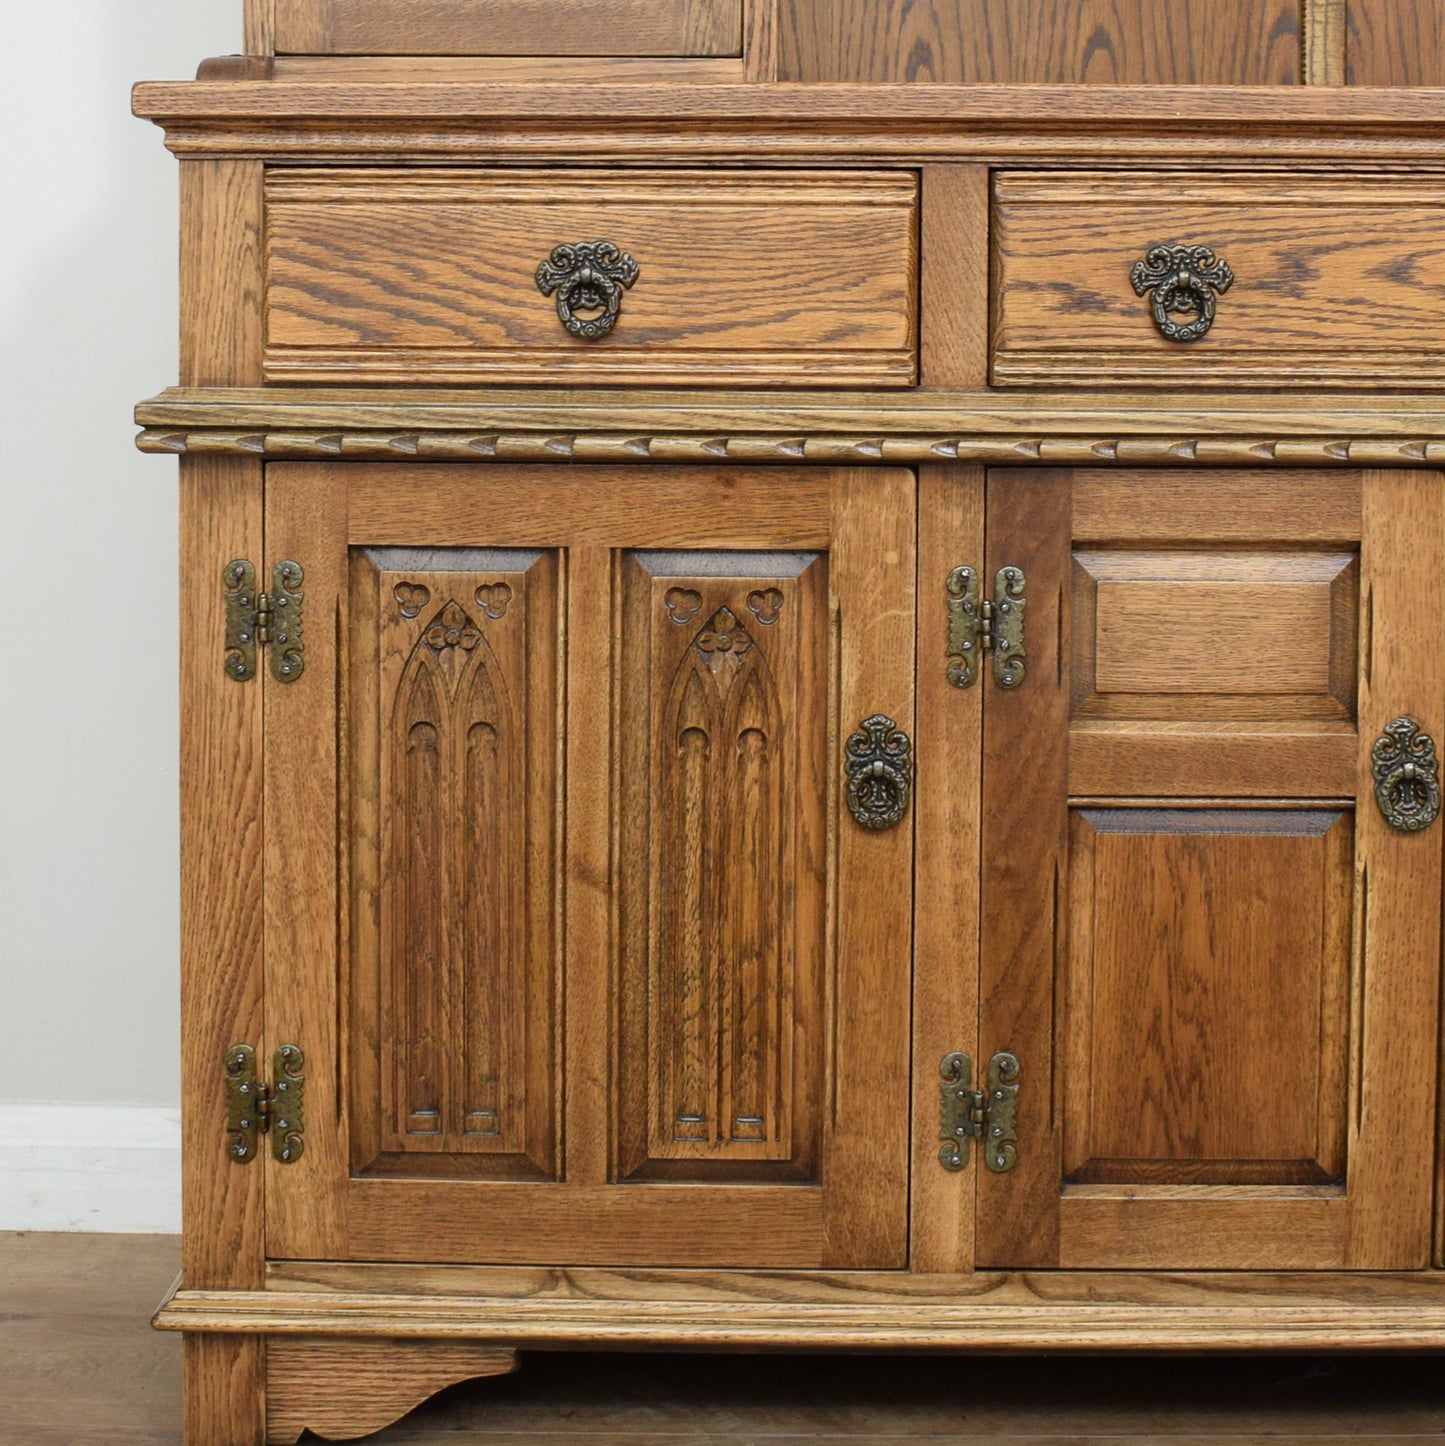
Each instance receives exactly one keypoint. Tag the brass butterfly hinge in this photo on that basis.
(994, 626)
(254, 1109)
(989, 1116)
(263, 620)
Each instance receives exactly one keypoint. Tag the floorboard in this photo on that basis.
(83, 1368)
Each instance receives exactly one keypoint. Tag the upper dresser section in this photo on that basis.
(1119, 42)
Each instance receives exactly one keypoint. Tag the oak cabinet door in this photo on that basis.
(589, 962)
(1216, 961)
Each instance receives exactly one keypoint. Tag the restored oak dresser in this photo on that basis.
(813, 632)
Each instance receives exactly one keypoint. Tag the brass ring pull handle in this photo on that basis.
(879, 767)
(1407, 776)
(590, 276)
(1184, 280)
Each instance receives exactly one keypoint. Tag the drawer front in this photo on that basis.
(1328, 280)
(431, 277)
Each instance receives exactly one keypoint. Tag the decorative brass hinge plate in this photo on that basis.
(254, 1109)
(988, 1116)
(976, 627)
(263, 620)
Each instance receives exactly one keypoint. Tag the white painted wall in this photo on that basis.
(88, 853)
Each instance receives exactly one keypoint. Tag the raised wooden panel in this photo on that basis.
(1395, 42)
(722, 803)
(1111, 42)
(508, 27)
(1207, 1003)
(454, 824)
(789, 278)
(1213, 634)
(1335, 279)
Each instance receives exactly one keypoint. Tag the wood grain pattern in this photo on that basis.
(779, 278)
(224, 1390)
(1129, 1226)
(1166, 425)
(1398, 964)
(1322, 273)
(873, 566)
(1050, 1310)
(221, 923)
(307, 933)
(221, 802)
(343, 1389)
(260, 27)
(954, 282)
(1180, 1001)
(1216, 508)
(222, 292)
(1115, 42)
(516, 27)
(1026, 780)
(1396, 42)
(946, 915)
(686, 124)
(760, 40)
(346, 70)
(1127, 759)
(1325, 42)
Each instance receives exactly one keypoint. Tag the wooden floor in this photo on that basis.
(81, 1367)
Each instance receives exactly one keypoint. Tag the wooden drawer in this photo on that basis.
(432, 277)
(1335, 280)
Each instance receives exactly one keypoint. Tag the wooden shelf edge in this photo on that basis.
(1344, 1313)
(843, 428)
(1036, 108)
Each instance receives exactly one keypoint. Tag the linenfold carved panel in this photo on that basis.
(724, 731)
(452, 946)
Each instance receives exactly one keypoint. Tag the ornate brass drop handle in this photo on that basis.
(1407, 776)
(879, 770)
(1184, 280)
(590, 276)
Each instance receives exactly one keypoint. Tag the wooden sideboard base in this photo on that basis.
(343, 1389)
(1075, 1311)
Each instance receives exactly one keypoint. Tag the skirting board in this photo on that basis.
(113, 1169)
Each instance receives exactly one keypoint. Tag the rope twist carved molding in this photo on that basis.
(452, 446)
